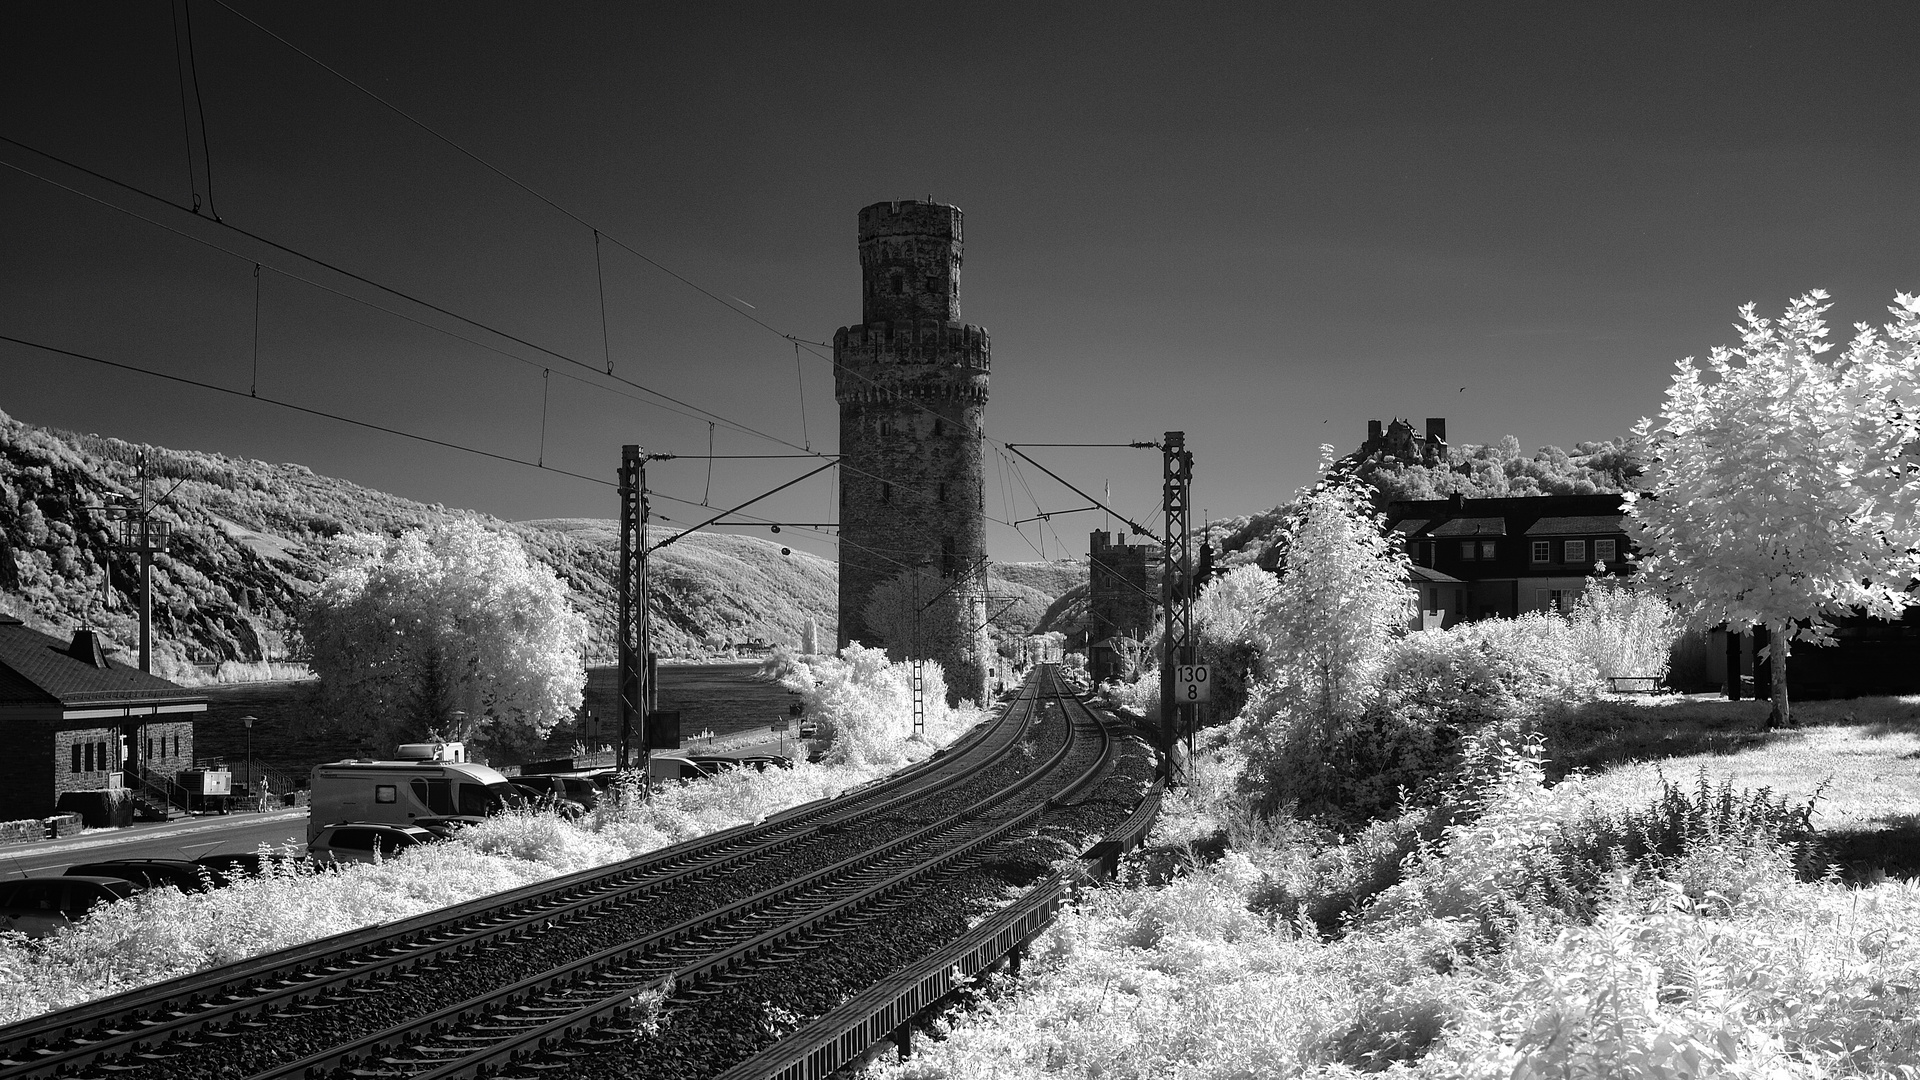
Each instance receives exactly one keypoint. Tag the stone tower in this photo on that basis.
(911, 380)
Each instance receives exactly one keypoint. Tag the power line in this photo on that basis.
(215, 387)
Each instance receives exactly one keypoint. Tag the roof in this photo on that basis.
(1410, 526)
(1592, 523)
(1472, 526)
(37, 669)
(1430, 575)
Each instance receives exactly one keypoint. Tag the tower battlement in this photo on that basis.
(910, 262)
(961, 351)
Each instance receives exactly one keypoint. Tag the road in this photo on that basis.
(181, 838)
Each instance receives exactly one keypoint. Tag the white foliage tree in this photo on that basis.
(1342, 595)
(409, 633)
(1782, 484)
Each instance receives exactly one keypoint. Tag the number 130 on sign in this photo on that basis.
(1191, 683)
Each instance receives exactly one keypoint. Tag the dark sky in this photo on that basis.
(1262, 224)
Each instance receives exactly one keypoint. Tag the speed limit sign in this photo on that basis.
(1191, 683)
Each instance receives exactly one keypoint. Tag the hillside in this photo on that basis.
(252, 538)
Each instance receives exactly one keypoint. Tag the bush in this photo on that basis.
(1618, 630)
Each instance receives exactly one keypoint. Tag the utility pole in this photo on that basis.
(140, 532)
(1176, 600)
(632, 633)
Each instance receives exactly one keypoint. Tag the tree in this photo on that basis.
(1342, 594)
(410, 633)
(1783, 490)
(810, 638)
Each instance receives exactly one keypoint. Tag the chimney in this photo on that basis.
(1373, 431)
(1436, 429)
(85, 648)
(1457, 503)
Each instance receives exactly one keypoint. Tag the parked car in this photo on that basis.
(359, 841)
(578, 788)
(763, 762)
(543, 799)
(225, 869)
(182, 874)
(38, 906)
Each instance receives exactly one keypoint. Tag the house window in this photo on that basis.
(76, 757)
(149, 747)
(1542, 551)
(1603, 551)
(1466, 549)
(89, 767)
(1576, 551)
(1486, 549)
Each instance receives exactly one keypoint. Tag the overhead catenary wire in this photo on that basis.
(200, 108)
(694, 411)
(308, 410)
(564, 211)
(341, 293)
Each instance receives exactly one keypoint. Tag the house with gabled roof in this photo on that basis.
(76, 720)
(1481, 558)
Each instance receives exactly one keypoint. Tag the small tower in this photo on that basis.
(911, 380)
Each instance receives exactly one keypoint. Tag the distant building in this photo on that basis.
(76, 721)
(1398, 440)
(1480, 558)
(1121, 602)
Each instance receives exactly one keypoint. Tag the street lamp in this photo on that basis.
(252, 781)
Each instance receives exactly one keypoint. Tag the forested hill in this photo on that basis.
(1475, 471)
(252, 538)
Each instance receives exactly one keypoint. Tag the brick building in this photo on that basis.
(1398, 440)
(911, 381)
(76, 721)
(1121, 598)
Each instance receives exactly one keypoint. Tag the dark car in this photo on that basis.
(226, 869)
(38, 906)
(183, 874)
(365, 842)
(539, 798)
(578, 788)
(763, 762)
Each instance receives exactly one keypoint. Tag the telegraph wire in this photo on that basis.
(342, 294)
(697, 413)
(256, 329)
(322, 413)
(186, 120)
(577, 219)
(199, 107)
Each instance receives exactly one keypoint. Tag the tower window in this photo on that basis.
(943, 493)
(899, 284)
(886, 427)
(933, 284)
(939, 426)
(947, 559)
(886, 492)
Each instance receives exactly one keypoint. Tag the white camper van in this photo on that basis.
(430, 780)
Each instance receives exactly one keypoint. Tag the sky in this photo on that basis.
(1260, 224)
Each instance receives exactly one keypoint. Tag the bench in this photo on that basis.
(1636, 684)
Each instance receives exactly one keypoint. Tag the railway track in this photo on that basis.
(552, 970)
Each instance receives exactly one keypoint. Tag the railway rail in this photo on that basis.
(681, 924)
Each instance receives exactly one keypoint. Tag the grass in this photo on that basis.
(1867, 818)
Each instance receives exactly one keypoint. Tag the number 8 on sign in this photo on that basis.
(1191, 683)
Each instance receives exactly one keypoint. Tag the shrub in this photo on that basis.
(1619, 630)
